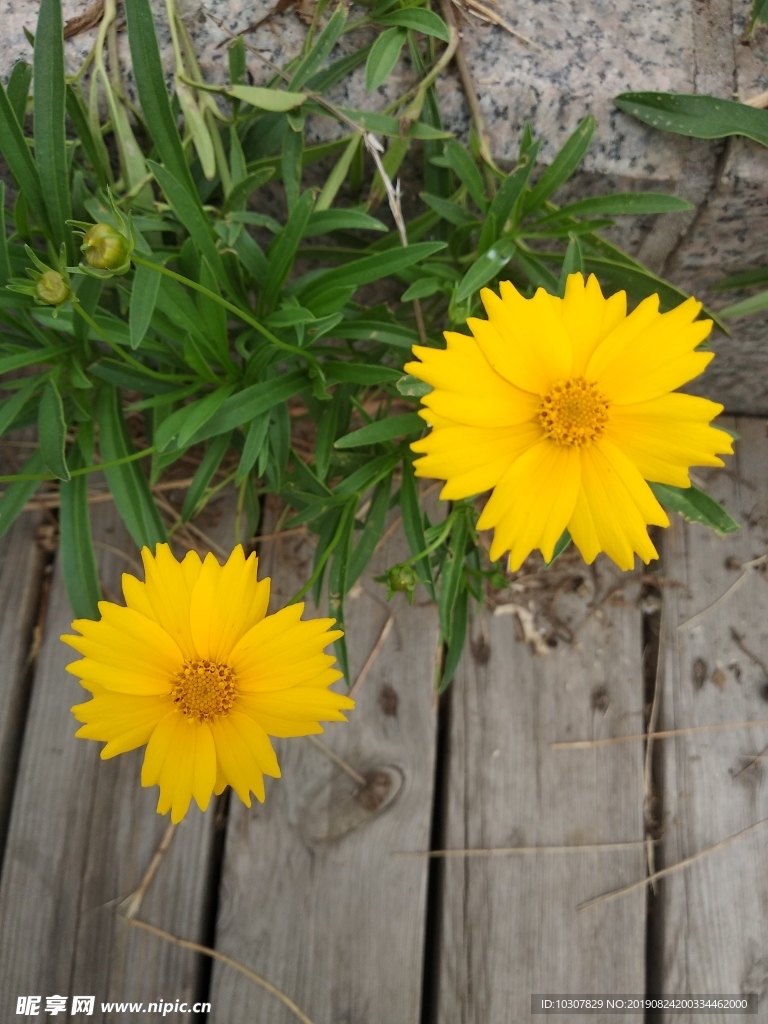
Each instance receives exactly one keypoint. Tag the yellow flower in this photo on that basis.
(565, 408)
(195, 669)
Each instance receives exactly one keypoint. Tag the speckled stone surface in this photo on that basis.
(585, 52)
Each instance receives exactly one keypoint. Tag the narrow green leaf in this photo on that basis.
(466, 170)
(562, 545)
(5, 262)
(282, 251)
(359, 373)
(451, 576)
(371, 533)
(213, 316)
(293, 146)
(17, 494)
(563, 166)
(52, 431)
(449, 210)
(573, 263)
(214, 453)
(384, 54)
(422, 289)
(695, 507)
(337, 578)
(18, 88)
(418, 19)
(50, 138)
(382, 331)
(507, 200)
(88, 294)
(251, 401)
(338, 175)
(128, 485)
(254, 442)
(413, 525)
(78, 559)
(153, 97)
(183, 423)
(754, 304)
(338, 70)
(240, 193)
(458, 633)
(620, 204)
(14, 148)
(190, 213)
(412, 387)
(196, 126)
(324, 221)
(275, 100)
(146, 286)
(92, 142)
(236, 58)
(384, 124)
(744, 280)
(321, 50)
(485, 268)
(702, 117)
(369, 269)
(382, 430)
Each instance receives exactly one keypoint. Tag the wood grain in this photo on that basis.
(509, 926)
(312, 898)
(21, 566)
(81, 835)
(711, 933)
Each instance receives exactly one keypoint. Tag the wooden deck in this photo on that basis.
(325, 890)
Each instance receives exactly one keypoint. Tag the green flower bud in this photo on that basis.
(51, 288)
(400, 579)
(105, 248)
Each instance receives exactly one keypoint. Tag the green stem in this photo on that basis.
(80, 472)
(245, 317)
(435, 543)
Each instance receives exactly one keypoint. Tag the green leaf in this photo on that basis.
(413, 525)
(337, 578)
(563, 166)
(183, 423)
(449, 210)
(50, 138)
(451, 576)
(369, 269)
(18, 493)
(146, 286)
(191, 215)
(293, 147)
(236, 58)
(702, 117)
(214, 453)
(458, 634)
(128, 485)
(5, 263)
(78, 559)
(382, 430)
(320, 52)
(749, 277)
(485, 268)
(338, 175)
(384, 124)
(507, 199)
(153, 97)
(18, 88)
(382, 331)
(52, 431)
(695, 507)
(466, 170)
(412, 387)
(14, 148)
(11, 407)
(757, 15)
(384, 54)
(276, 100)
(254, 442)
(240, 193)
(754, 304)
(573, 263)
(421, 289)
(195, 124)
(418, 19)
(371, 533)
(562, 545)
(359, 373)
(251, 401)
(213, 317)
(622, 203)
(282, 251)
(322, 222)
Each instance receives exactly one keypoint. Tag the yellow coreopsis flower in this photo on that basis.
(565, 408)
(194, 668)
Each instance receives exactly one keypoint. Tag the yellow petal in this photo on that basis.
(168, 592)
(624, 334)
(295, 712)
(584, 318)
(282, 651)
(127, 640)
(157, 748)
(243, 754)
(205, 766)
(226, 602)
(123, 722)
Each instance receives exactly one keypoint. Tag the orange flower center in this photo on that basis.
(204, 690)
(574, 412)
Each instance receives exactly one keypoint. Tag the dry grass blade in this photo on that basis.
(223, 958)
(485, 13)
(649, 879)
(663, 735)
(373, 655)
(337, 760)
(87, 20)
(747, 567)
(133, 903)
(527, 622)
(505, 851)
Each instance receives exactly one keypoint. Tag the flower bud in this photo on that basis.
(401, 579)
(105, 248)
(51, 288)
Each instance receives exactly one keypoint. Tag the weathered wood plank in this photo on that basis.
(510, 926)
(711, 934)
(312, 897)
(21, 565)
(82, 833)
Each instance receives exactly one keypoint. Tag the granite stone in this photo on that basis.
(583, 53)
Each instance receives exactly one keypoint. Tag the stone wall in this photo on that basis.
(584, 52)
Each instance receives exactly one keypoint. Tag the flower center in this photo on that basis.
(204, 690)
(574, 412)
